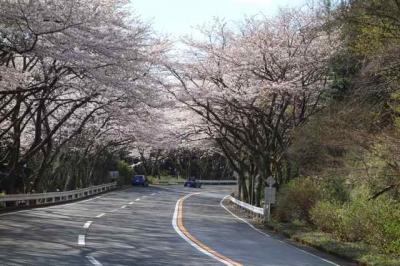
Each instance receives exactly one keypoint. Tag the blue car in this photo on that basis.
(139, 180)
(191, 182)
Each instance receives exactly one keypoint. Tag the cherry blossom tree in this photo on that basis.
(253, 85)
(69, 69)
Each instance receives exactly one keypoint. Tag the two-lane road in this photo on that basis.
(143, 226)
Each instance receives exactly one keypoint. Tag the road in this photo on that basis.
(144, 226)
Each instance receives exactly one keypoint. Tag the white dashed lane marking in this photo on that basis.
(100, 215)
(93, 261)
(87, 224)
(81, 240)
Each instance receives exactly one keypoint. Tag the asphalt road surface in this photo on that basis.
(145, 226)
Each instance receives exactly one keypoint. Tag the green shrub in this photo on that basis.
(152, 179)
(335, 189)
(391, 240)
(375, 222)
(357, 216)
(296, 199)
(385, 218)
(327, 216)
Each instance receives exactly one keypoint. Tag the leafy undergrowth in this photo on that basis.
(300, 232)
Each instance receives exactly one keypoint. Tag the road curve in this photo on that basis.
(133, 227)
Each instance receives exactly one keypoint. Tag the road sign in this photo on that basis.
(270, 195)
(270, 181)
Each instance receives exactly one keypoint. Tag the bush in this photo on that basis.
(327, 216)
(375, 222)
(296, 199)
(335, 189)
(391, 242)
(358, 216)
(385, 220)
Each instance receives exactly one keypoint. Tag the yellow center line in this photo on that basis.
(183, 229)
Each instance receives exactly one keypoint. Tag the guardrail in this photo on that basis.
(53, 197)
(218, 182)
(244, 205)
(203, 181)
(212, 182)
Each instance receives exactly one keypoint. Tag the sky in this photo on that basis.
(177, 17)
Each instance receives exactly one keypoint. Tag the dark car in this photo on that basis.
(192, 182)
(139, 180)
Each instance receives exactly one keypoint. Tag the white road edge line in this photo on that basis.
(94, 261)
(261, 232)
(87, 224)
(100, 215)
(81, 240)
(180, 233)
